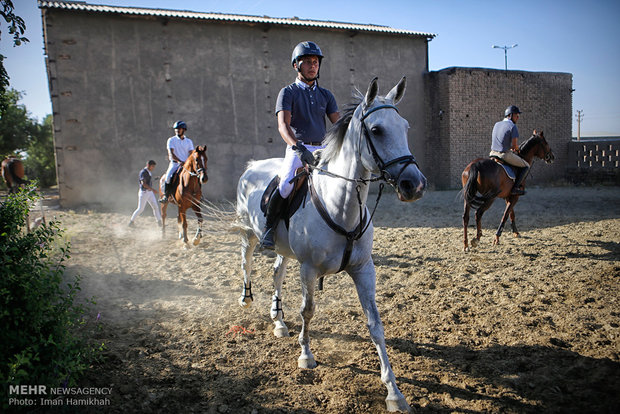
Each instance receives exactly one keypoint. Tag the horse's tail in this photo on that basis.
(470, 190)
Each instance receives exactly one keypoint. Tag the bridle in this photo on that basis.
(198, 170)
(405, 159)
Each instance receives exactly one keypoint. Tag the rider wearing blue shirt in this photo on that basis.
(301, 109)
(504, 146)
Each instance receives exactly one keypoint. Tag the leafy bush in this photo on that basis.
(43, 340)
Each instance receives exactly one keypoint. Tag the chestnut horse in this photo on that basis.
(484, 180)
(13, 173)
(188, 192)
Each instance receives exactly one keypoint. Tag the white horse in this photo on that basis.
(368, 133)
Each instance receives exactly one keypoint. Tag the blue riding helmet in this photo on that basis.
(305, 49)
(511, 110)
(179, 124)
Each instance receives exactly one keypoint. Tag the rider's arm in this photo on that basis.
(172, 156)
(514, 146)
(333, 117)
(284, 127)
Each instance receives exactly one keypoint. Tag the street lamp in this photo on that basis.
(505, 53)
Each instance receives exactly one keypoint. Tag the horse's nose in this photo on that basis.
(411, 189)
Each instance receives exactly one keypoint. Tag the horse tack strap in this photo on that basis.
(350, 235)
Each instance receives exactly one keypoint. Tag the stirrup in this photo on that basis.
(163, 200)
(267, 241)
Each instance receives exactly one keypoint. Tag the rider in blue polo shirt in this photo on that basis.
(301, 109)
(504, 145)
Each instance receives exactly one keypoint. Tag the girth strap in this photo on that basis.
(351, 236)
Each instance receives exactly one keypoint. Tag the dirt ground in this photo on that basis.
(531, 325)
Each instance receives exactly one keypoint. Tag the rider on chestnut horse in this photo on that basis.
(504, 146)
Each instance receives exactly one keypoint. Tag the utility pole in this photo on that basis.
(505, 54)
(579, 118)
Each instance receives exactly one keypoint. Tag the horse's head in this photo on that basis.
(386, 152)
(539, 147)
(198, 159)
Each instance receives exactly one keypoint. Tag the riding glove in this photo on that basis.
(304, 153)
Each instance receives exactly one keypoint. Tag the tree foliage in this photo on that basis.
(17, 28)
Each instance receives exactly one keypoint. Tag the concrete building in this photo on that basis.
(119, 77)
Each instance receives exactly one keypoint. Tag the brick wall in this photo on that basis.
(465, 103)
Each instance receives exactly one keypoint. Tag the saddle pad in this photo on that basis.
(510, 172)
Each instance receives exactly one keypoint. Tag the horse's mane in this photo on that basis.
(335, 135)
(529, 144)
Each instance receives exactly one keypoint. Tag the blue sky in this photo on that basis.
(578, 37)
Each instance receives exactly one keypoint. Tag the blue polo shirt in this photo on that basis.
(503, 134)
(308, 107)
(144, 177)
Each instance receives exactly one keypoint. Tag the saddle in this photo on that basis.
(293, 201)
(509, 169)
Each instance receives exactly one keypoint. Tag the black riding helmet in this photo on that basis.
(511, 110)
(179, 124)
(306, 48)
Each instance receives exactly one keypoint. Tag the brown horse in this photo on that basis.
(484, 180)
(188, 192)
(13, 173)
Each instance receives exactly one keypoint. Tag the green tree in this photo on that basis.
(15, 125)
(40, 162)
(17, 27)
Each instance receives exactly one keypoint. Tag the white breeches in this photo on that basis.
(172, 168)
(287, 170)
(143, 198)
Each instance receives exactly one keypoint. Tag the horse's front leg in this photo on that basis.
(365, 279)
(248, 244)
(466, 210)
(308, 283)
(500, 229)
(198, 234)
(182, 225)
(277, 314)
(164, 210)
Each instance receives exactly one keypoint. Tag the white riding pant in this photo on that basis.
(144, 197)
(511, 158)
(172, 168)
(287, 170)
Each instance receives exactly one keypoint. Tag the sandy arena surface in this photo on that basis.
(531, 325)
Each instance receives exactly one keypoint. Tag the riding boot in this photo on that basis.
(164, 199)
(273, 216)
(516, 190)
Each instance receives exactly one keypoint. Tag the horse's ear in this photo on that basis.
(371, 93)
(197, 149)
(398, 91)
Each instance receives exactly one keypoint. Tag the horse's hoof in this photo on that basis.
(466, 249)
(281, 332)
(306, 362)
(245, 302)
(474, 242)
(398, 405)
(196, 242)
(517, 235)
